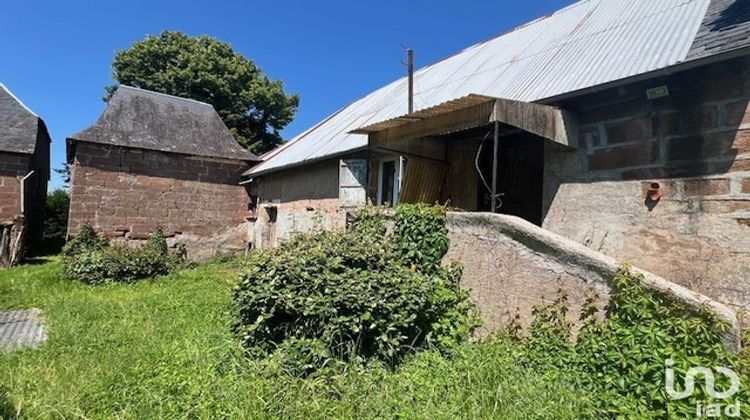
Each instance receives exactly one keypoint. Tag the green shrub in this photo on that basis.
(420, 235)
(93, 260)
(369, 221)
(86, 241)
(622, 359)
(349, 296)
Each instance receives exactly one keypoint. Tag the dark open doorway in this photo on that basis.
(519, 176)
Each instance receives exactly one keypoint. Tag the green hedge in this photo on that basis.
(355, 295)
(93, 260)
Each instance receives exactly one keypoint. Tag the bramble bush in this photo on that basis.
(357, 295)
(91, 259)
(621, 359)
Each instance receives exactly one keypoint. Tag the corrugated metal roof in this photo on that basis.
(589, 43)
(423, 114)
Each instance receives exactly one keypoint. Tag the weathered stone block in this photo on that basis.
(746, 186)
(706, 187)
(736, 165)
(590, 136)
(667, 123)
(113, 234)
(704, 146)
(699, 118)
(636, 130)
(624, 156)
(741, 143)
(735, 113)
(725, 206)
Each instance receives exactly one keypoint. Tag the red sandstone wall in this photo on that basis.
(696, 145)
(126, 194)
(13, 167)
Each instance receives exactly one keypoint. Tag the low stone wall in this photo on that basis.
(511, 265)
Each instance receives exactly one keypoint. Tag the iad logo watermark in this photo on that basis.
(703, 409)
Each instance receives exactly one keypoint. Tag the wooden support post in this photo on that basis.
(496, 149)
(11, 242)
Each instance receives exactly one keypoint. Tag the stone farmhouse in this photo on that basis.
(24, 172)
(620, 125)
(153, 161)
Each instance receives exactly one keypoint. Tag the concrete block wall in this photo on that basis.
(298, 200)
(695, 144)
(127, 194)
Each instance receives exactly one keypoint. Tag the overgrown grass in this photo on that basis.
(163, 348)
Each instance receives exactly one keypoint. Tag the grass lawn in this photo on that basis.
(163, 348)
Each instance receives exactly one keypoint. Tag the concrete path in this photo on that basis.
(21, 329)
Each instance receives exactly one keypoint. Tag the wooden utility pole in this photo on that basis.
(410, 70)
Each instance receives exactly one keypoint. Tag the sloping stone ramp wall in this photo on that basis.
(511, 265)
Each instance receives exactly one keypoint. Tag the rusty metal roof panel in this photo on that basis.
(589, 43)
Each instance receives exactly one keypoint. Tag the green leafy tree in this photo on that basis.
(56, 222)
(64, 173)
(254, 107)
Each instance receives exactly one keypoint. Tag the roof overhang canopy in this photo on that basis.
(548, 122)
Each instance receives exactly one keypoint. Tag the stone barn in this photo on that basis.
(24, 172)
(153, 161)
(620, 125)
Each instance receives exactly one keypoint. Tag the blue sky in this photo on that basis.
(56, 55)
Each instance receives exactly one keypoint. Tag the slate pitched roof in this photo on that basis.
(149, 120)
(725, 27)
(587, 44)
(19, 126)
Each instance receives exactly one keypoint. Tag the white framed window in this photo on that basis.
(389, 180)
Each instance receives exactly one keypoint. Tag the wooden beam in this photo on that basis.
(411, 134)
(456, 120)
(546, 121)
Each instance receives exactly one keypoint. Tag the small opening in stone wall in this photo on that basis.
(272, 213)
